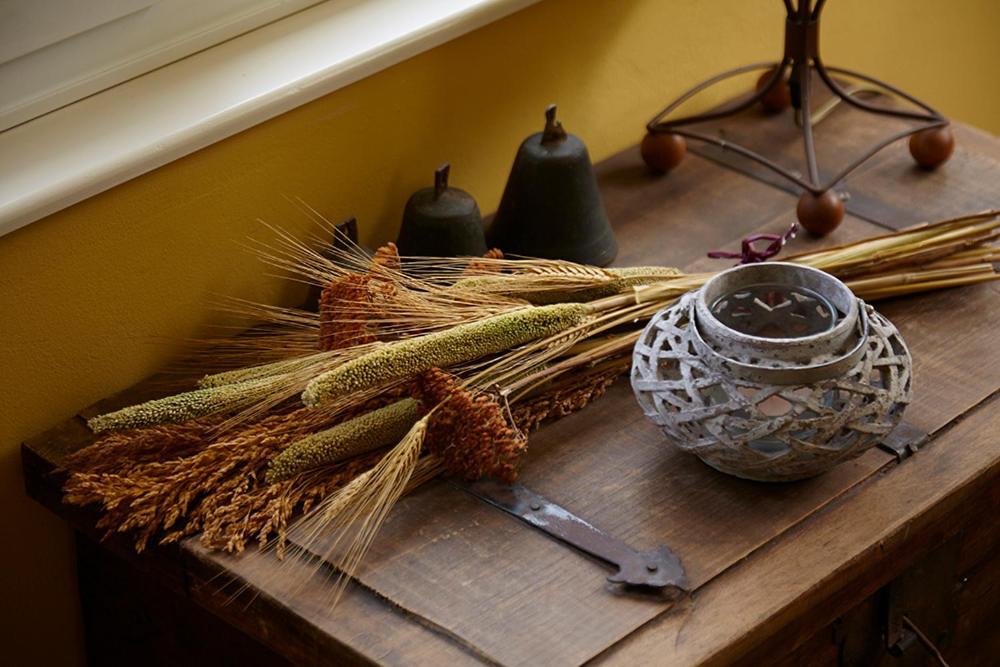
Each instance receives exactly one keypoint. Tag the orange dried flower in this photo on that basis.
(347, 304)
(468, 431)
(343, 313)
(477, 268)
(387, 256)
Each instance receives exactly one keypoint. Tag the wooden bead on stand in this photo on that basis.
(820, 214)
(663, 152)
(932, 147)
(778, 96)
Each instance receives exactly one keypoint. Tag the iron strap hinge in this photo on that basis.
(658, 569)
(904, 440)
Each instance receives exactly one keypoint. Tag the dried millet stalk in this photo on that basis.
(182, 407)
(467, 431)
(265, 510)
(464, 342)
(166, 495)
(122, 452)
(380, 428)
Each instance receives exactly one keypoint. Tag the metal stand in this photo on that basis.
(801, 59)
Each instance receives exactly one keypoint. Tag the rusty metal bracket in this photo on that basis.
(904, 440)
(659, 569)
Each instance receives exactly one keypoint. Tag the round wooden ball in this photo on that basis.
(663, 152)
(778, 98)
(820, 214)
(931, 148)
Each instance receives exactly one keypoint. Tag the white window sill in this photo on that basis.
(87, 147)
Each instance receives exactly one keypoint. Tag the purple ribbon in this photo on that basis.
(749, 254)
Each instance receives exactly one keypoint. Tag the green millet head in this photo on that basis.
(181, 407)
(465, 342)
(380, 428)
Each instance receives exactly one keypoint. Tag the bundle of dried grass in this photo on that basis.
(120, 453)
(164, 495)
(474, 336)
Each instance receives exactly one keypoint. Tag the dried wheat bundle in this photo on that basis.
(411, 367)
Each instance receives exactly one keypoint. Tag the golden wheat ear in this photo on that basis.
(339, 531)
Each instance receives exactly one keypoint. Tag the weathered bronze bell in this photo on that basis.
(551, 207)
(442, 222)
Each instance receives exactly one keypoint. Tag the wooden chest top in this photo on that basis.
(451, 580)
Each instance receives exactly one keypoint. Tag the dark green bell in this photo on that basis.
(442, 222)
(551, 207)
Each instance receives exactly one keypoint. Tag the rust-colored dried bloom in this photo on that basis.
(387, 256)
(467, 431)
(348, 305)
(479, 268)
(343, 313)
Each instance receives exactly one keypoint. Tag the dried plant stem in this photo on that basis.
(869, 285)
(876, 249)
(916, 287)
(985, 255)
(617, 345)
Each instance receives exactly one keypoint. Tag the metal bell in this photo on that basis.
(551, 207)
(442, 222)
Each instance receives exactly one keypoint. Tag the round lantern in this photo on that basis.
(772, 372)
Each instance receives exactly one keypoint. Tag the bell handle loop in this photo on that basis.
(441, 179)
(553, 128)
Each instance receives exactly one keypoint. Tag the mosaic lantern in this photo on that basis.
(772, 372)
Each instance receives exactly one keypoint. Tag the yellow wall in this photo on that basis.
(89, 295)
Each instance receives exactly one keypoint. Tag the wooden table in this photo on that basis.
(809, 572)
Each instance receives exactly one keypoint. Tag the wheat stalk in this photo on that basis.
(351, 517)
